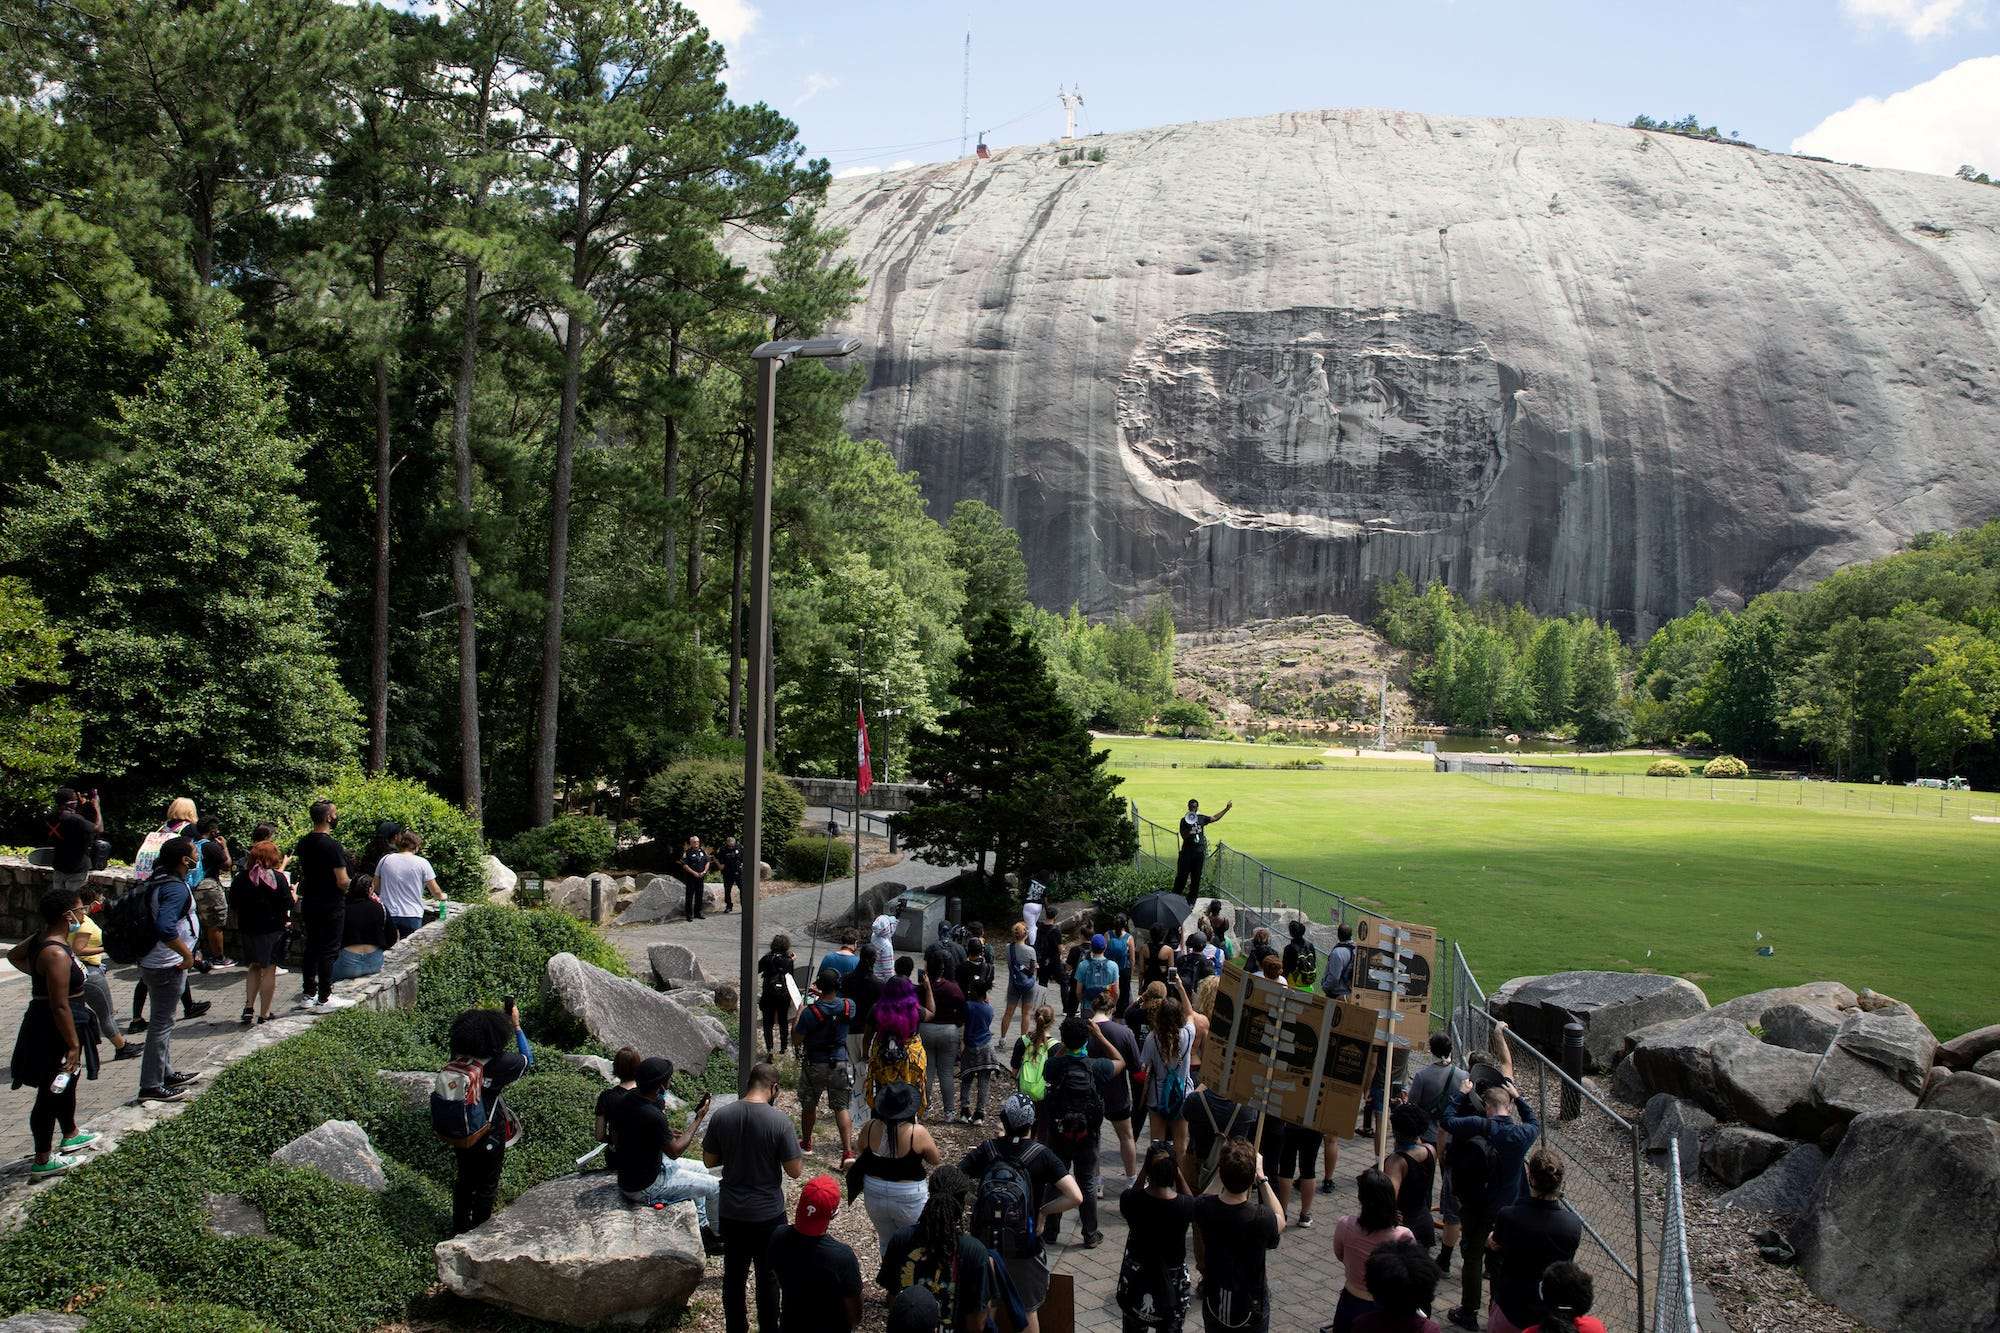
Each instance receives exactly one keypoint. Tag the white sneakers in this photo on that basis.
(336, 1002)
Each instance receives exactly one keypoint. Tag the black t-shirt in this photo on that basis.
(1159, 1226)
(1118, 1093)
(1036, 1160)
(1235, 1237)
(754, 1141)
(260, 910)
(861, 987)
(319, 856)
(730, 859)
(816, 1275)
(74, 839)
(1194, 832)
(909, 1264)
(607, 1111)
(774, 968)
(640, 1129)
(214, 859)
(1531, 1236)
(366, 922)
(1208, 1120)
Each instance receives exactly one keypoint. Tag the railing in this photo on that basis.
(1845, 797)
(1673, 1292)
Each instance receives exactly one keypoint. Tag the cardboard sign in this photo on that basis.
(1298, 1055)
(1372, 963)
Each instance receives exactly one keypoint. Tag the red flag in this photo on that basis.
(864, 779)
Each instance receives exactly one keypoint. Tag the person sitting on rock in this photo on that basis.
(650, 1169)
(625, 1072)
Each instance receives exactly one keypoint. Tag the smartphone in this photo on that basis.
(507, 1005)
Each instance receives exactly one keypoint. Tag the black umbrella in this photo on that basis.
(1161, 912)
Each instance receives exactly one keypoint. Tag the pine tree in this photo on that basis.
(1012, 772)
(1550, 675)
(185, 571)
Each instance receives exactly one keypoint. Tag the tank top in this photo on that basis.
(906, 1165)
(1413, 1196)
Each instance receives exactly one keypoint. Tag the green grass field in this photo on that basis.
(1535, 881)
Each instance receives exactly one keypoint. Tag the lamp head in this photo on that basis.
(833, 344)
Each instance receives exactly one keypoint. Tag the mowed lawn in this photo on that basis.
(1533, 882)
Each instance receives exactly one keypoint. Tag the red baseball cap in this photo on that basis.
(817, 1202)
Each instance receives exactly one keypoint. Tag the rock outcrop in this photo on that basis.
(574, 1252)
(1904, 1227)
(676, 966)
(620, 1012)
(1610, 1005)
(661, 900)
(1969, 1048)
(1736, 1153)
(1266, 364)
(338, 1150)
(42, 1321)
(1877, 1062)
(499, 879)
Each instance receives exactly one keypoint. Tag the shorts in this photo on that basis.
(1030, 1276)
(1022, 995)
(1291, 1156)
(212, 903)
(835, 1078)
(264, 949)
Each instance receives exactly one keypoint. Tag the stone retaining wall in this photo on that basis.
(22, 887)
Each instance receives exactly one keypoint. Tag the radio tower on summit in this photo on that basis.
(1071, 100)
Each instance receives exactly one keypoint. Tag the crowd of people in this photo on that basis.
(191, 886)
(1110, 1032)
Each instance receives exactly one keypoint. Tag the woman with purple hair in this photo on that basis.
(896, 1054)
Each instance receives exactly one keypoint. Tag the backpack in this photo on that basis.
(1306, 972)
(1033, 1066)
(129, 926)
(1170, 1093)
(1020, 977)
(1150, 1295)
(891, 1053)
(1339, 978)
(149, 852)
(458, 1106)
(822, 1033)
(1076, 1104)
(1470, 1162)
(1003, 1218)
(1225, 1306)
(976, 972)
(1193, 967)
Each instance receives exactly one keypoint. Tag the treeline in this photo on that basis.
(1491, 665)
(375, 391)
(1887, 669)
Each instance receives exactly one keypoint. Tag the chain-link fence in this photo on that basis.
(1673, 1291)
(1848, 797)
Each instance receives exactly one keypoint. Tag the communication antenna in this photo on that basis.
(1071, 100)
(965, 95)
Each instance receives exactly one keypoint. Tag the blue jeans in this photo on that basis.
(348, 965)
(163, 992)
(406, 926)
(682, 1183)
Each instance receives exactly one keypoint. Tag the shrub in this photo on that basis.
(804, 857)
(1112, 889)
(705, 797)
(1697, 740)
(493, 952)
(452, 841)
(1666, 768)
(1725, 766)
(566, 845)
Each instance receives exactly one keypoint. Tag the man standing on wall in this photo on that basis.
(1194, 848)
(75, 837)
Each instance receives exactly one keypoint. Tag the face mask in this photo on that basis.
(75, 926)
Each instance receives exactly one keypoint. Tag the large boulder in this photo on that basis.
(571, 895)
(338, 1150)
(1969, 1048)
(1904, 1228)
(618, 1011)
(1750, 1009)
(1678, 1056)
(1608, 1004)
(499, 879)
(1878, 1062)
(1802, 1027)
(660, 900)
(1785, 1189)
(1736, 1153)
(412, 1086)
(574, 1252)
(42, 1321)
(1767, 1087)
(1670, 1120)
(1966, 1092)
(675, 965)
(1988, 1065)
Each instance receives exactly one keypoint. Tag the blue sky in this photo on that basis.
(875, 84)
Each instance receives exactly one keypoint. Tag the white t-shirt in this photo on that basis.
(399, 883)
(883, 934)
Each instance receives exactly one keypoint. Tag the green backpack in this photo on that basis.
(1033, 1082)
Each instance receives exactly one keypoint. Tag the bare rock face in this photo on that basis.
(1801, 1027)
(1904, 1227)
(42, 1321)
(1751, 1008)
(1610, 1005)
(338, 1150)
(574, 1252)
(1784, 1188)
(1965, 1092)
(1264, 364)
(1670, 1120)
(620, 1012)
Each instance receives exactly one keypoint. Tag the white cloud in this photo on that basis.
(1935, 126)
(728, 21)
(815, 84)
(1915, 19)
(847, 172)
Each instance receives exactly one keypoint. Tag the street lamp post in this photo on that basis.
(770, 358)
